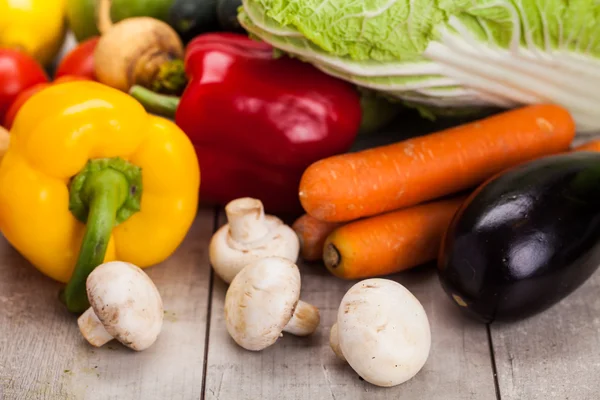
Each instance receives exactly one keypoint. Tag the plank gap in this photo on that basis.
(216, 213)
(554, 354)
(492, 358)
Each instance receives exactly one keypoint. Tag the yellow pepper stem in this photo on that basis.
(104, 194)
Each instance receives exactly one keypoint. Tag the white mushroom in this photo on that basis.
(248, 236)
(125, 305)
(382, 331)
(334, 342)
(263, 301)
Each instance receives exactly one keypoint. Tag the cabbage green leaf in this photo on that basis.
(446, 54)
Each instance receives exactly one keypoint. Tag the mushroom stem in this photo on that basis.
(334, 342)
(92, 329)
(305, 320)
(246, 218)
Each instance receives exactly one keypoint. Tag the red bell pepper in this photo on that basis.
(79, 61)
(257, 121)
(18, 71)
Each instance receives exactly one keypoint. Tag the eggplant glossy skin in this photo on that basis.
(524, 240)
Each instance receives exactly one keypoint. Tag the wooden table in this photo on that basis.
(555, 355)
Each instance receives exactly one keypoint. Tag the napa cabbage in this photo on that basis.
(447, 54)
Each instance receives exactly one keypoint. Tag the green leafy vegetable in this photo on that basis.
(445, 55)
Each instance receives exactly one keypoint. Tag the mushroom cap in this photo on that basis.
(260, 302)
(383, 332)
(127, 303)
(228, 257)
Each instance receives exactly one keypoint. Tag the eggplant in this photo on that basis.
(227, 13)
(191, 18)
(525, 239)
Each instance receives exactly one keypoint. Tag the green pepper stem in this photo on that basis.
(155, 103)
(104, 194)
(108, 195)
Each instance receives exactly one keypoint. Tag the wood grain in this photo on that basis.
(459, 365)
(554, 355)
(42, 353)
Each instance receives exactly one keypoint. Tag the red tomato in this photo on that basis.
(80, 60)
(16, 105)
(18, 71)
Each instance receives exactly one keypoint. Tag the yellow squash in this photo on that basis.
(90, 177)
(36, 26)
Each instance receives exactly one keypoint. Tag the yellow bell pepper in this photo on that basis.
(38, 27)
(90, 177)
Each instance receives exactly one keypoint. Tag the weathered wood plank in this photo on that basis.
(43, 356)
(554, 355)
(459, 366)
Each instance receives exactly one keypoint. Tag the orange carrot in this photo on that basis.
(312, 234)
(593, 145)
(353, 185)
(389, 243)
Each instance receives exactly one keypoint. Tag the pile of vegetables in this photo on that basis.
(504, 204)
(257, 122)
(413, 188)
(262, 104)
(495, 202)
(298, 115)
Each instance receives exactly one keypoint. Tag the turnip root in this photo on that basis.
(138, 51)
